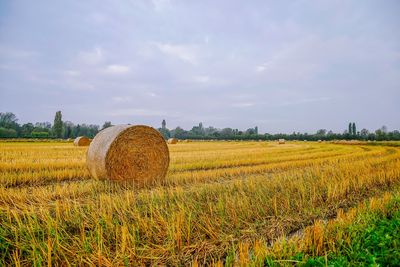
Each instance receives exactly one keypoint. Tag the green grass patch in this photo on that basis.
(373, 239)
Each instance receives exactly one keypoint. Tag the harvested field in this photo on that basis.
(219, 202)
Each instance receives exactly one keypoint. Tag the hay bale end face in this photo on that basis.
(82, 141)
(128, 153)
(172, 141)
(281, 141)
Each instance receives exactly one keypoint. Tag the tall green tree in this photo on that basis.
(77, 130)
(58, 125)
(321, 132)
(353, 126)
(107, 124)
(350, 128)
(8, 120)
(68, 128)
(27, 129)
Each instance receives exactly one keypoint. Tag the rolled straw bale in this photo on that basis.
(82, 141)
(128, 152)
(281, 141)
(172, 141)
(319, 141)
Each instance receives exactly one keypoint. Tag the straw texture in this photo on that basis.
(172, 141)
(82, 141)
(125, 152)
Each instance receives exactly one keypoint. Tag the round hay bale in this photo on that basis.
(125, 152)
(281, 141)
(172, 141)
(82, 141)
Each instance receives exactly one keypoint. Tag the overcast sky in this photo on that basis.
(281, 65)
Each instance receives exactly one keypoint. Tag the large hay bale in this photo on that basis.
(281, 141)
(126, 152)
(172, 141)
(82, 141)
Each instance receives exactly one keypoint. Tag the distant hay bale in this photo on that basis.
(319, 141)
(172, 141)
(82, 141)
(281, 141)
(135, 153)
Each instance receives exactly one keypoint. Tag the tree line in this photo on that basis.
(10, 128)
(201, 132)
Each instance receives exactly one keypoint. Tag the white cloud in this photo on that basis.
(121, 99)
(243, 105)
(92, 57)
(72, 73)
(117, 69)
(260, 68)
(153, 94)
(186, 53)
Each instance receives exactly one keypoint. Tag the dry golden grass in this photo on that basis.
(217, 196)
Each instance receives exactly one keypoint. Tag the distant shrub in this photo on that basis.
(40, 134)
(7, 133)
